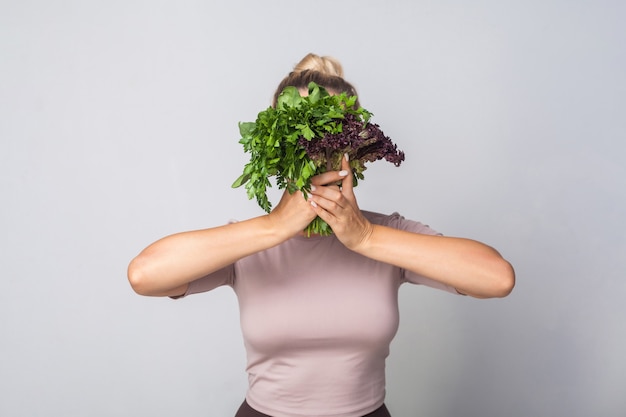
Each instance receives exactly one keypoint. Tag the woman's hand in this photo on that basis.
(337, 206)
(292, 214)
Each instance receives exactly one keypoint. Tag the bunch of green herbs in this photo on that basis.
(307, 135)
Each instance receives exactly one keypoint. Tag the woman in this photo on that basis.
(318, 313)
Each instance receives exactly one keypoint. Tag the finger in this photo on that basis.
(330, 177)
(329, 197)
(347, 182)
(329, 200)
(323, 214)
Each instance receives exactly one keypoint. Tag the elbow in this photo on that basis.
(504, 281)
(137, 276)
(498, 282)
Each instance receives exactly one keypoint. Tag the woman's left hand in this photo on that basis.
(337, 206)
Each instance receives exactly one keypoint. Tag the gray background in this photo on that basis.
(118, 125)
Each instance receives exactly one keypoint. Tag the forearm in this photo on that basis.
(169, 264)
(471, 267)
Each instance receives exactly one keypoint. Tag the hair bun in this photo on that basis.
(325, 71)
(326, 65)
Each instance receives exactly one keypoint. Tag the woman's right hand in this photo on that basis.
(292, 214)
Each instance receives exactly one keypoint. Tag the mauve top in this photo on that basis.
(317, 320)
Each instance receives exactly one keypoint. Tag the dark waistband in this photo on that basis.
(246, 411)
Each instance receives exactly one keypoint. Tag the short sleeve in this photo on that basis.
(224, 276)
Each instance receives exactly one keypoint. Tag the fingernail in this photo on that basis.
(346, 156)
(313, 203)
(343, 173)
(313, 188)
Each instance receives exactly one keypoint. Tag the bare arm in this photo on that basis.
(167, 266)
(471, 267)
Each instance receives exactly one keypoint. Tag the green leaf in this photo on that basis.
(315, 93)
(243, 178)
(246, 128)
(306, 131)
(289, 97)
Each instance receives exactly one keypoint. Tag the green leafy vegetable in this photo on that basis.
(305, 136)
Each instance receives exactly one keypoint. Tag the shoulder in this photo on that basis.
(397, 221)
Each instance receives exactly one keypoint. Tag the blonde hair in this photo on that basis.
(325, 71)
(324, 64)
